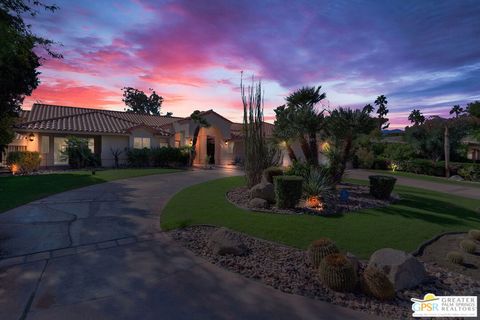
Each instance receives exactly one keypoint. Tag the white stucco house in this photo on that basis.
(45, 127)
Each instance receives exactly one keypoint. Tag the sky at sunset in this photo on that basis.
(420, 54)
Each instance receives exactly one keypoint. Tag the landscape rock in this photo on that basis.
(264, 191)
(258, 203)
(456, 178)
(224, 241)
(402, 269)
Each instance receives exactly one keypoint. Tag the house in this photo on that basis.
(473, 147)
(45, 129)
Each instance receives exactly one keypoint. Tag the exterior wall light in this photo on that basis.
(31, 137)
(191, 142)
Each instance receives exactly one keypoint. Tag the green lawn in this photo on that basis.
(428, 178)
(18, 190)
(420, 215)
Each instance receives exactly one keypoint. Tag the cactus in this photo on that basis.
(375, 283)
(468, 246)
(337, 273)
(474, 234)
(319, 249)
(455, 257)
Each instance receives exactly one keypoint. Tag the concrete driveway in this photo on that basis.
(98, 253)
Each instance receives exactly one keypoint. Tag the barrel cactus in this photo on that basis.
(337, 273)
(474, 234)
(455, 257)
(468, 246)
(319, 249)
(375, 283)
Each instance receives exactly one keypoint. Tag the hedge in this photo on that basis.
(288, 191)
(26, 161)
(158, 157)
(381, 187)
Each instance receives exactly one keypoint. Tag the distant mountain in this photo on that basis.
(393, 131)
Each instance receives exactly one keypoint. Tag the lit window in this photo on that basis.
(59, 146)
(91, 144)
(45, 144)
(140, 143)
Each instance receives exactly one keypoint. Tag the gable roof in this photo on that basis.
(204, 113)
(87, 120)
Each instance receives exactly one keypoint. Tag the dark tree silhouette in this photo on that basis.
(416, 117)
(457, 110)
(199, 122)
(382, 110)
(138, 102)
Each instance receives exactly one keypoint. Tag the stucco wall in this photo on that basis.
(110, 143)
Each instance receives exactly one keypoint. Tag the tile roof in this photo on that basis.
(62, 118)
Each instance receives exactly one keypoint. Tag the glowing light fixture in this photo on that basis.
(31, 137)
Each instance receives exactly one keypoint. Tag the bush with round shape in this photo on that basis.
(288, 191)
(381, 186)
(474, 234)
(468, 246)
(24, 162)
(455, 257)
(321, 248)
(271, 172)
(375, 283)
(337, 273)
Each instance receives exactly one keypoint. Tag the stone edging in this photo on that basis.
(419, 251)
(66, 251)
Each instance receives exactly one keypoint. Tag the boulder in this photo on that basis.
(263, 191)
(224, 241)
(258, 203)
(456, 178)
(401, 268)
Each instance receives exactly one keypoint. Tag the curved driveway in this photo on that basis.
(97, 253)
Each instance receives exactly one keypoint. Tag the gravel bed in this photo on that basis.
(288, 269)
(359, 198)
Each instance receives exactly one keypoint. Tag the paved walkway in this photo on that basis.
(455, 189)
(98, 253)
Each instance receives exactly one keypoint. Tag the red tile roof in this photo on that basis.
(62, 118)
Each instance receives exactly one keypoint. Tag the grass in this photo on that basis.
(420, 215)
(428, 178)
(18, 190)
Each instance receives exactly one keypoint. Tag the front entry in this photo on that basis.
(211, 149)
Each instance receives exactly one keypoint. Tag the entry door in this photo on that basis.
(211, 149)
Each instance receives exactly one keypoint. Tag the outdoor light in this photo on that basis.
(31, 137)
(191, 142)
(226, 142)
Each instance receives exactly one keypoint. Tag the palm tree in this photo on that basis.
(368, 108)
(416, 117)
(306, 120)
(344, 125)
(457, 110)
(199, 122)
(282, 130)
(382, 110)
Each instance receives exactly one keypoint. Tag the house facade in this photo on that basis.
(45, 129)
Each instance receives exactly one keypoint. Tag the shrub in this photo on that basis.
(321, 248)
(288, 191)
(366, 158)
(25, 161)
(78, 153)
(381, 163)
(271, 172)
(398, 152)
(169, 157)
(298, 168)
(318, 182)
(376, 283)
(470, 172)
(474, 234)
(138, 157)
(455, 257)
(337, 273)
(468, 246)
(381, 186)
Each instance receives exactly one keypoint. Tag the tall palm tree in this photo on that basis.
(416, 117)
(368, 108)
(282, 130)
(457, 110)
(199, 122)
(344, 125)
(382, 110)
(306, 120)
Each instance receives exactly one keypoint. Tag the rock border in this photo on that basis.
(421, 248)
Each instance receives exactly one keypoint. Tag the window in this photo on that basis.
(45, 144)
(140, 143)
(91, 144)
(59, 145)
(163, 144)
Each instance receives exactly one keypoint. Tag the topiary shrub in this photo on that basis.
(468, 246)
(381, 187)
(288, 191)
(474, 234)
(138, 157)
(271, 172)
(23, 162)
(455, 257)
(337, 273)
(319, 249)
(375, 283)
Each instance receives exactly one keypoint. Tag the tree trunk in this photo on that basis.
(343, 162)
(447, 152)
(305, 148)
(291, 153)
(312, 141)
(193, 148)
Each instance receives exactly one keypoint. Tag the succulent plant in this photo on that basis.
(337, 273)
(455, 257)
(474, 234)
(376, 283)
(468, 246)
(321, 248)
